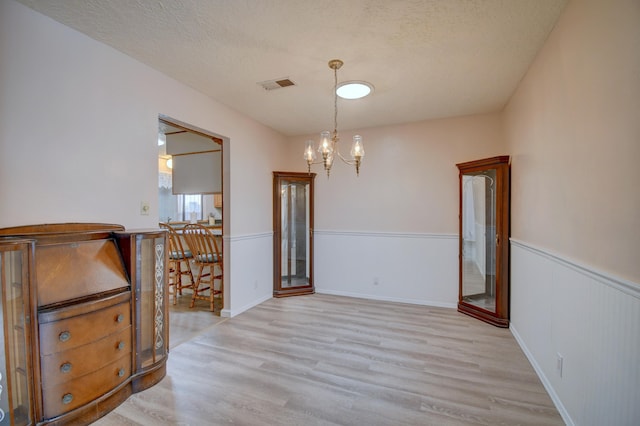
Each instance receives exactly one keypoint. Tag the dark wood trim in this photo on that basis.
(481, 314)
(294, 291)
(476, 165)
(60, 228)
(196, 152)
(188, 129)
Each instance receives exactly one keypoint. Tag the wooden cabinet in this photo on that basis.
(217, 200)
(16, 370)
(292, 233)
(484, 240)
(97, 300)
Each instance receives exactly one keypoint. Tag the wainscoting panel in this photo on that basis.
(410, 268)
(561, 309)
(249, 272)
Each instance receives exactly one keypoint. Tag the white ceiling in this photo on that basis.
(426, 58)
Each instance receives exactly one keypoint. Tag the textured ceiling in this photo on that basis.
(425, 58)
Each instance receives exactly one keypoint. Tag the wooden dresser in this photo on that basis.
(84, 320)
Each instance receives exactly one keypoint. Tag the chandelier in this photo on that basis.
(328, 147)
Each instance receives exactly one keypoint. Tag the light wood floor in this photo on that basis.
(187, 323)
(330, 360)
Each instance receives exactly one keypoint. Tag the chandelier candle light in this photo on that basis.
(329, 143)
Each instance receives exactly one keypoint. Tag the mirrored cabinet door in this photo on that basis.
(484, 240)
(292, 233)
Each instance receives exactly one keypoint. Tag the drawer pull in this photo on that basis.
(64, 336)
(66, 367)
(121, 372)
(121, 346)
(67, 398)
(120, 318)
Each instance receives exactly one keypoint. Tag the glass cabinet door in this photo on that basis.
(145, 257)
(293, 233)
(151, 305)
(15, 364)
(484, 245)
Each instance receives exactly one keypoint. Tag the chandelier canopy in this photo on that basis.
(328, 147)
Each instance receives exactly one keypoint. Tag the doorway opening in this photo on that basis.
(190, 190)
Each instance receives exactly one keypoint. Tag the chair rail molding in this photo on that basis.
(385, 234)
(628, 287)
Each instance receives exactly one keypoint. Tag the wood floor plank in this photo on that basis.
(331, 360)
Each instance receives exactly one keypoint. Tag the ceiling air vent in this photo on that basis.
(276, 84)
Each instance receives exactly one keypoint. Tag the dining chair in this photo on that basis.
(180, 274)
(205, 248)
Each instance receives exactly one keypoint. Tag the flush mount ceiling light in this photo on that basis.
(354, 89)
(329, 143)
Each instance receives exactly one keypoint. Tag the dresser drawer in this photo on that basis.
(75, 331)
(63, 397)
(68, 365)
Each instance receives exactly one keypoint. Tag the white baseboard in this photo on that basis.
(543, 378)
(230, 313)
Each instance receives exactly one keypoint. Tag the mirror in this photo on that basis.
(478, 239)
(484, 245)
(294, 243)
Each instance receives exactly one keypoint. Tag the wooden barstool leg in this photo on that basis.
(196, 287)
(212, 291)
(179, 282)
(190, 274)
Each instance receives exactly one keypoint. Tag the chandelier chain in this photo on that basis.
(335, 103)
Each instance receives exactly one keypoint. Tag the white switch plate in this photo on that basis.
(559, 362)
(144, 208)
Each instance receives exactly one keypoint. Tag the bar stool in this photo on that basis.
(179, 264)
(206, 255)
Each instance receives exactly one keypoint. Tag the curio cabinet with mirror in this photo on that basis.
(292, 233)
(484, 239)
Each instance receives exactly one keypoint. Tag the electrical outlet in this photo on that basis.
(144, 208)
(559, 362)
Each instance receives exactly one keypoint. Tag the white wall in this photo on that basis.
(574, 133)
(78, 138)
(411, 267)
(392, 232)
(573, 130)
